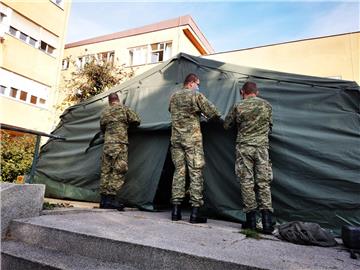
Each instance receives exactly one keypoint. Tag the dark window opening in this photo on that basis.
(23, 95)
(13, 92)
(43, 46)
(33, 99)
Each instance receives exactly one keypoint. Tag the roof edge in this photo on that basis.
(167, 24)
(286, 42)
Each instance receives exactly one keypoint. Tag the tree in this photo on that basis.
(95, 77)
(16, 155)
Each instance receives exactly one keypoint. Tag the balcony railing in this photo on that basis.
(38, 134)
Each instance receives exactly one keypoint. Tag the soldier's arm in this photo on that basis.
(206, 107)
(133, 118)
(230, 118)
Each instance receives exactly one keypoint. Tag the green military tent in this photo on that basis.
(314, 146)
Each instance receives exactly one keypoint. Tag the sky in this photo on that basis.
(227, 25)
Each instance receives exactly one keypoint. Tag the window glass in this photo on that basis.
(42, 101)
(2, 89)
(33, 99)
(12, 31)
(50, 49)
(43, 46)
(32, 41)
(13, 92)
(138, 56)
(160, 51)
(23, 95)
(23, 36)
(111, 57)
(65, 64)
(167, 52)
(2, 17)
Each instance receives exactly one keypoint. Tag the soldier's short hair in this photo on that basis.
(190, 78)
(113, 97)
(249, 88)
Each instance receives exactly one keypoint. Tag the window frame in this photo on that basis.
(160, 53)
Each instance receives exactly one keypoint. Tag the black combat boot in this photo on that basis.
(176, 212)
(110, 202)
(104, 201)
(115, 204)
(195, 216)
(250, 220)
(267, 221)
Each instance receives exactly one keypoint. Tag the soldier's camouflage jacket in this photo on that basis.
(114, 122)
(185, 107)
(253, 117)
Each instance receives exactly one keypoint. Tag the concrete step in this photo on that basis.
(147, 241)
(115, 237)
(20, 256)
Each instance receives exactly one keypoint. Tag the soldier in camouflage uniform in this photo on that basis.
(186, 106)
(253, 117)
(114, 123)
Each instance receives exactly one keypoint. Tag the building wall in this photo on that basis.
(333, 56)
(180, 43)
(31, 52)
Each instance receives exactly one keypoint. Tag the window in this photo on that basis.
(32, 41)
(23, 90)
(106, 57)
(46, 47)
(43, 46)
(153, 53)
(23, 36)
(2, 17)
(138, 55)
(33, 99)
(13, 92)
(2, 89)
(160, 51)
(12, 31)
(111, 57)
(42, 101)
(81, 61)
(23, 95)
(50, 49)
(65, 64)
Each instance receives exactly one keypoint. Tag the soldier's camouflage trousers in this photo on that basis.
(188, 157)
(113, 168)
(253, 169)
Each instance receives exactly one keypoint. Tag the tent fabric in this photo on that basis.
(314, 146)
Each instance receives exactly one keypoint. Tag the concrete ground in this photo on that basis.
(216, 240)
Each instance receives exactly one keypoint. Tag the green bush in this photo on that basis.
(16, 155)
